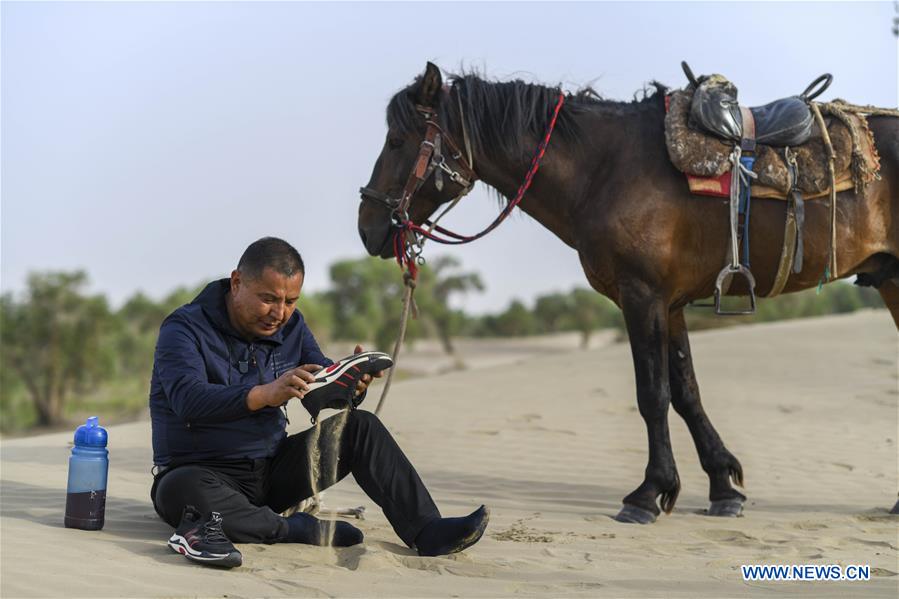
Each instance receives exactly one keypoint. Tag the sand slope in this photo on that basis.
(551, 444)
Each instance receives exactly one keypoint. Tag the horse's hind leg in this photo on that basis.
(646, 316)
(889, 291)
(720, 464)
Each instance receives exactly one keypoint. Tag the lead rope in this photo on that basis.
(409, 281)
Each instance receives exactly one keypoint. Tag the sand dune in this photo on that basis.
(551, 441)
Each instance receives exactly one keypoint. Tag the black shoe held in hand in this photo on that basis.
(335, 386)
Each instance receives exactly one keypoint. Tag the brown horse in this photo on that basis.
(607, 188)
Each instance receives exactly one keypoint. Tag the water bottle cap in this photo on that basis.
(91, 434)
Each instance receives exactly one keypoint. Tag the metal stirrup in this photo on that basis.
(734, 268)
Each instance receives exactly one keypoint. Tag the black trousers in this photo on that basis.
(249, 494)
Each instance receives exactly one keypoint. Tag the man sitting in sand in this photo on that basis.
(225, 366)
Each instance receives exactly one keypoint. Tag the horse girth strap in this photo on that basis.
(788, 252)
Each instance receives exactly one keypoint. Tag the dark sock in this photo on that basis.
(449, 535)
(305, 528)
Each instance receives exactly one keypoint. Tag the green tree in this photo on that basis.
(551, 311)
(438, 281)
(591, 311)
(515, 320)
(366, 297)
(319, 314)
(140, 318)
(56, 340)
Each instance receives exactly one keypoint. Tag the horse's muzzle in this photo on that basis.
(378, 239)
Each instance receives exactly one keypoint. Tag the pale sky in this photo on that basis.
(149, 143)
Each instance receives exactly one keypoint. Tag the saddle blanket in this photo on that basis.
(704, 158)
(720, 187)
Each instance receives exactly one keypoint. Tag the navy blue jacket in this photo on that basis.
(198, 394)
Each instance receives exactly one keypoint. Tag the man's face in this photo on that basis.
(261, 306)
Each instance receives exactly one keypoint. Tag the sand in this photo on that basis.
(550, 441)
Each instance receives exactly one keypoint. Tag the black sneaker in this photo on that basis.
(202, 540)
(335, 386)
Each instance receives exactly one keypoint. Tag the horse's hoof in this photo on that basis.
(726, 508)
(635, 515)
(895, 509)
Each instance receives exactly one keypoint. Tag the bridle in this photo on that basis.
(430, 160)
(409, 237)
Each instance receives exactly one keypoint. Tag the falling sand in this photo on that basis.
(323, 459)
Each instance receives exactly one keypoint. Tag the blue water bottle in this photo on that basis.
(88, 467)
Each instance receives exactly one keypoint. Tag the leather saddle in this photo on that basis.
(784, 122)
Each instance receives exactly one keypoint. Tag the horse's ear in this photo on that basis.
(429, 86)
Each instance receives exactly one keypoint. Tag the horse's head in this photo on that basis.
(420, 166)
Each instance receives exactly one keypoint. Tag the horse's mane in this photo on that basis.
(506, 116)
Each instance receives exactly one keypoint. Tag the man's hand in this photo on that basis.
(291, 384)
(363, 383)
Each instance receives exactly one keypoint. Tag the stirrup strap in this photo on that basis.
(747, 144)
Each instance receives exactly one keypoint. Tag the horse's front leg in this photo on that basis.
(716, 460)
(646, 317)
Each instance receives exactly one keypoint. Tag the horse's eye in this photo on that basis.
(395, 142)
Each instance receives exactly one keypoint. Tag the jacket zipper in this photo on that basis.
(255, 365)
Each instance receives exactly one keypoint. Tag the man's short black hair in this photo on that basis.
(270, 252)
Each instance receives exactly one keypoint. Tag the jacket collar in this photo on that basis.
(212, 301)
